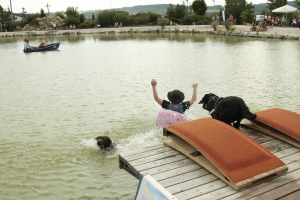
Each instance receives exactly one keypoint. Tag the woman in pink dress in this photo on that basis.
(174, 109)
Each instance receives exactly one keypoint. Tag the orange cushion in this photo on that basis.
(285, 121)
(234, 153)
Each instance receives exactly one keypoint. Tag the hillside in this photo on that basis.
(161, 9)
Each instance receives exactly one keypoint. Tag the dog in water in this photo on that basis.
(105, 143)
(230, 110)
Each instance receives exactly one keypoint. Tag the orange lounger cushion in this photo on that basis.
(279, 123)
(237, 156)
(285, 121)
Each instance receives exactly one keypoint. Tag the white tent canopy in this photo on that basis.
(285, 9)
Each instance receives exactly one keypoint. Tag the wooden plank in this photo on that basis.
(219, 193)
(148, 153)
(286, 152)
(271, 143)
(281, 191)
(198, 191)
(160, 162)
(176, 180)
(193, 183)
(170, 166)
(225, 192)
(154, 158)
(264, 139)
(279, 147)
(141, 150)
(293, 196)
(266, 186)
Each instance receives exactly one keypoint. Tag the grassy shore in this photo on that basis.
(241, 30)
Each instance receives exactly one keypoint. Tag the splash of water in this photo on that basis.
(136, 141)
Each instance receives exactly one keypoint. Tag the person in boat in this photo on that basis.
(26, 45)
(43, 43)
(176, 98)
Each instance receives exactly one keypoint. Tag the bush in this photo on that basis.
(203, 20)
(71, 20)
(162, 21)
(34, 22)
(86, 24)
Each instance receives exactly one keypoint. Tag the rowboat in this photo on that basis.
(49, 47)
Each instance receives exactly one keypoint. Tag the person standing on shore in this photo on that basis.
(283, 21)
(231, 18)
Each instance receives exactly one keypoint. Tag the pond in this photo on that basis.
(53, 104)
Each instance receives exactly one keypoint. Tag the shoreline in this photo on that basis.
(292, 33)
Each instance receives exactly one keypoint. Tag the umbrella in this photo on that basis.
(285, 9)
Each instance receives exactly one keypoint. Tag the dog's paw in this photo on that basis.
(236, 125)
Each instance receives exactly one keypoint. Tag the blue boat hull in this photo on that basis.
(49, 47)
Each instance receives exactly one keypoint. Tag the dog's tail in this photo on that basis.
(246, 112)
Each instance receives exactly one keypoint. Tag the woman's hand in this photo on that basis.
(153, 82)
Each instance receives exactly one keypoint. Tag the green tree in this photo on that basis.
(5, 18)
(177, 12)
(71, 11)
(105, 18)
(61, 15)
(42, 13)
(273, 4)
(199, 7)
(81, 18)
(235, 7)
(297, 3)
(248, 14)
(72, 20)
(93, 17)
(170, 11)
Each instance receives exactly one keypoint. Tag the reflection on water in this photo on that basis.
(53, 104)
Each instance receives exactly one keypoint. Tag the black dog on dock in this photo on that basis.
(105, 143)
(230, 110)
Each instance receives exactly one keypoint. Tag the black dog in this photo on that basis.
(104, 143)
(228, 109)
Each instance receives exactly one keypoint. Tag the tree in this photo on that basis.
(81, 18)
(199, 7)
(42, 13)
(5, 18)
(248, 14)
(297, 3)
(273, 4)
(235, 7)
(72, 20)
(61, 15)
(179, 12)
(71, 11)
(93, 17)
(105, 18)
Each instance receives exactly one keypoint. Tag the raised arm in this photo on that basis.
(155, 95)
(194, 97)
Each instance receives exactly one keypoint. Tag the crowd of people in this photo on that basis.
(118, 24)
(215, 18)
(72, 27)
(270, 21)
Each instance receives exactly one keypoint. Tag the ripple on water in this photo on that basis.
(100, 85)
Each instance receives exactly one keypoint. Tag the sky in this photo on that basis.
(34, 6)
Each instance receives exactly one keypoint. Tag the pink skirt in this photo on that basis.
(169, 117)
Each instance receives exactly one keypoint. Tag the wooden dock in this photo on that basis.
(186, 179)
